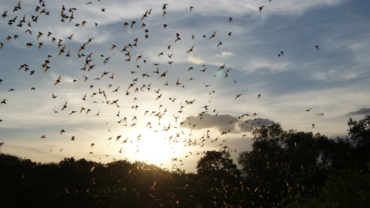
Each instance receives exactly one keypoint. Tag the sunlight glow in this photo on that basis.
(156, 147)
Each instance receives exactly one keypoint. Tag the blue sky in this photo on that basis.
(332, 81)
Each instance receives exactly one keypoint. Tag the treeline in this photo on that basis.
(283, 169)
(299, 169)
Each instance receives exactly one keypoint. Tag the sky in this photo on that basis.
(271, 53)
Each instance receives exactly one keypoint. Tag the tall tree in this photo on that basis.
(359, 132)
(277, 159)
(217, 164)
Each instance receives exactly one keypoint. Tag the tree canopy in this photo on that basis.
(284, 168)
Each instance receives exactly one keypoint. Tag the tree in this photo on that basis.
(344, 188)
(218, 175)
(359, 132)
(217, 165)
(358, 140)
(277, 160)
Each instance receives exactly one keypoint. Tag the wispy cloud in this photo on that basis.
(195, 60)
(64, 78)
(225, 122)
(220, 122)
(224, 54)
(260, 63)
(319, 114)
(361, 111)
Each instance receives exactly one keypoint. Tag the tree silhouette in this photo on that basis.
(357, 145)
(278, 159)
(284, 168)
(217, 164)
(359, 132)
(345, 188)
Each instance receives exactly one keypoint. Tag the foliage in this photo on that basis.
(283, 169)
(344, 189)
(359, 132)
(217, 164)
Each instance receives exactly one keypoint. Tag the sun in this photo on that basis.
(156, 145)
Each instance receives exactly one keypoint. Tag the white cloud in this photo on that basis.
(64, 78)
(130, 10)
(195, 60)
(238, 8)
(265, 64)
(224, 54)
